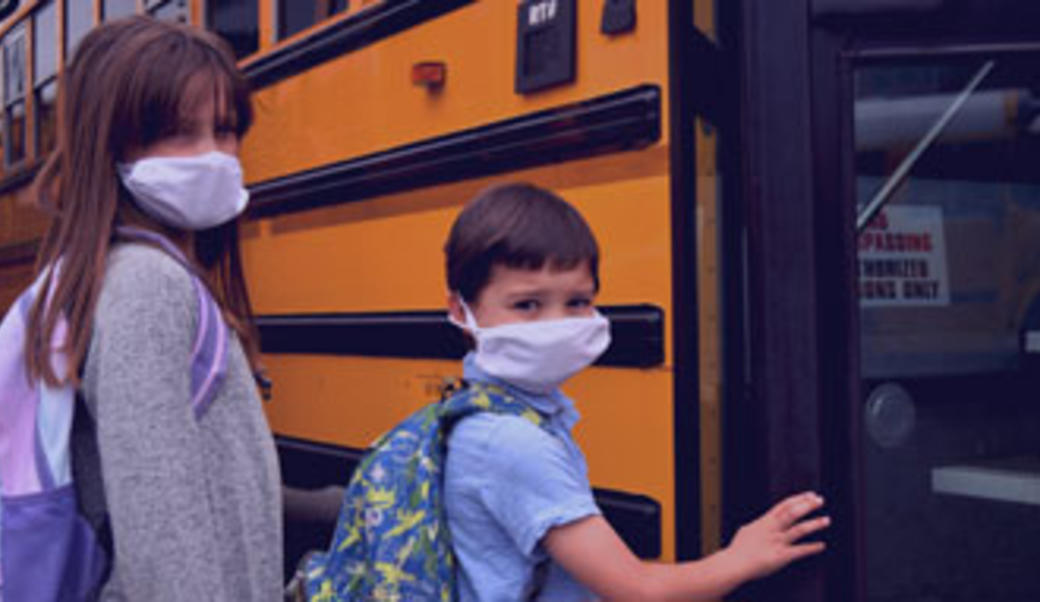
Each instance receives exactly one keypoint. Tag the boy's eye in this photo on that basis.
(579, 302)
(526, 305)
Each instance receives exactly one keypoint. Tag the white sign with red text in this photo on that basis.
(902, 259)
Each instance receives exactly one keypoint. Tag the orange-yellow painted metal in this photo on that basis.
(385, 255)
(21, 226)
(626, 434)
(709, 316)
(266, 17)
(364, 101)
(709, 327)
(196, 12)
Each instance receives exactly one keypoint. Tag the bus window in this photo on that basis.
(296, 15)
(7, 8)
(237, 22)
(943, 283)
(113, 9)
(14, 95)
(79, 18)
(949, 285)
(168, 10)
(45, 75)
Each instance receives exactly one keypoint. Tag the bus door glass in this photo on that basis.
(947, 186)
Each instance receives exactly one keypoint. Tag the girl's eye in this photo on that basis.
(579, 302)
(526, 305)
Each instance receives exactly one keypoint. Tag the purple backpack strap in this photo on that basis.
(209, 353)
(48, 553)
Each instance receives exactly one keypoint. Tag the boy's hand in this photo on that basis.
(770, 543)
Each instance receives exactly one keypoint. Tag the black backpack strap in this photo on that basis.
(86, 474)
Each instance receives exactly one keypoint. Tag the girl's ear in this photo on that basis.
(455, 308)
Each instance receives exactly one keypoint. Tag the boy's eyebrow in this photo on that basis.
(535, 292)
(541, 292)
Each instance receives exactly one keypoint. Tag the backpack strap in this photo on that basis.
(36, 418)
(465, 398)
(209, 352)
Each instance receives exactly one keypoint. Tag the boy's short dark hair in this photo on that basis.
(518, 226)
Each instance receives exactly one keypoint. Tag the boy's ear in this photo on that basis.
(455, 308)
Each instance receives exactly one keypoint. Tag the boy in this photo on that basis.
(522, 271)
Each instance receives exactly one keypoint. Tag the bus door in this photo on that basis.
(888, 210)
(945, 184)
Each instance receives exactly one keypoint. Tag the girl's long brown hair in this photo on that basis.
(131, 83)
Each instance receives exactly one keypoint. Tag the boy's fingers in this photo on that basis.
(805, 528)
(806, 549)
(795, 507)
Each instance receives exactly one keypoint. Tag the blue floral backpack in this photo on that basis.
(391, 542)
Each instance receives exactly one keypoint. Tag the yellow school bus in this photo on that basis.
(820, 239)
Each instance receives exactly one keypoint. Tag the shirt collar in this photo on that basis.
(553, 405)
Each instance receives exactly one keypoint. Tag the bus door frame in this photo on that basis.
(787, 313)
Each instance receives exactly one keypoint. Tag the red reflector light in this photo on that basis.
(431, 74)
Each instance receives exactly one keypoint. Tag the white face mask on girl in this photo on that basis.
(538, 356)
(191, 193)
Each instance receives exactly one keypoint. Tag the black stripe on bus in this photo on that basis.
(363, 29)
(629, 119)
(637, 335)
(308, 466)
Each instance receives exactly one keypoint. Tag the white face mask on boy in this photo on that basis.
(191, 193)
(538, 356)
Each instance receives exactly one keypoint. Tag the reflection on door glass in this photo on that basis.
(14, 95)
(237, 21)
(79, 18)
(296, 15)
(168, 10)
(45, 42)
(949, 289)
(46, 117)
(114, 9)
(45, 76)
(948, 267)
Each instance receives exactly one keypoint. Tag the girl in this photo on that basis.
(144, 187)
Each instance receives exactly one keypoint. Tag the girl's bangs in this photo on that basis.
(164, 103)
(213, 86)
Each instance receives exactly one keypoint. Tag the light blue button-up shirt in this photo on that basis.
(507, 482)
